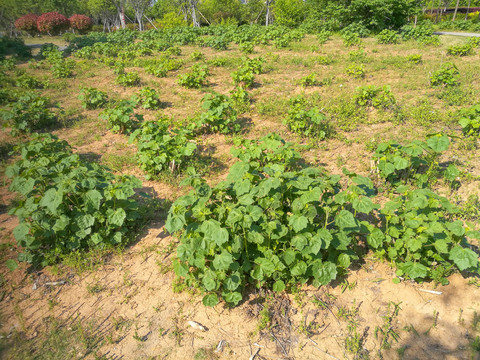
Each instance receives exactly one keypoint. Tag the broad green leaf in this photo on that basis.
(298, 222)
(441, 246)
(210, 300)
(266, 265)
(117, 217)
(299, 269)
(363, 204)
(213, 231)
(345, 219)
(209, 282)
(222, 261)
(299, 241)
(232, 297)
(232, 282)
(414, 270)
(52, 200)
(174, 223)
(279, 286)
(94, 198)
(400, 163)
(463, 258)
(376, 238)
(61, 223)
(438, 143)
(21, 231)
(456, 228)
(325, 272)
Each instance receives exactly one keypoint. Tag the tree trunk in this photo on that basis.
(267, 17)
(438, 10)
(194, 14)
(122, 17)
(468, 9)
(456, 9)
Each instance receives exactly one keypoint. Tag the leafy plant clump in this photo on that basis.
(356, 70)
(374, 96)
(93, 98)
(470, 121)
(460, 50)
(270, 149)
(265, 226)
(422, 238)
(219, 116)
(148, 99)
(415, 162)
(29, 113)
(309, 123)
(387, 36)
(68, 204)
(161, 149)
(446, 76)
(121, 117)
(128, 79)
(195, 79)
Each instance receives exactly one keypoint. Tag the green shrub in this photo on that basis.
(446, 76)
(415, 58)
(416, 162)
(197, 55)
(265, 226)
(241, 99)
(268, 150)
(220, 115)
(28, 82)
(324, 60)
(310, 80)
(356, 70)
(121, 118)
(309, 123)
(351, 39)
(161, 149)
(460, 50)
(388, 37)
(247, 47)
(29, 113)
(93, 98)
(470, 121)
(195, 79)
(148, 99)
(128, 79)
(68, 204)
(374, 96)
(422, 239)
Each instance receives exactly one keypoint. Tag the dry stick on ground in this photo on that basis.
(315, 345)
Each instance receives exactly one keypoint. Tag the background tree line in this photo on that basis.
(374, 14)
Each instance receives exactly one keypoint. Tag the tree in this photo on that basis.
(103, 10)
(139, 7)
(268, 15)
(289, 12)
(120, 6)
(218, 11)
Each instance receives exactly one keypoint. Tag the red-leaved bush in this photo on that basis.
(27, 23)
(81, 23)
(52, 23)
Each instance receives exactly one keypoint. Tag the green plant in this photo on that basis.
(265, 226)
(121, 118)
(240, 98)
(387, 330)
(415, 58)
(197, 55)
(416, 161)
(28, 82)
(148, 98)
(196, 78)
(387, 36)
(309, 80)
(93, 98)
(356, 70)
(243, 77)
(309, 123)
(351, 39)
(63, 68)
(446, 76)
(420, 236)
(219, 115)
(128, 79)
(270, 149)
(374, 96)
(67, 204)
(30, 112)
(358, 56)
(247, 47)
(324, 60)
(470, 121)
(460, 50)
(161, 149)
